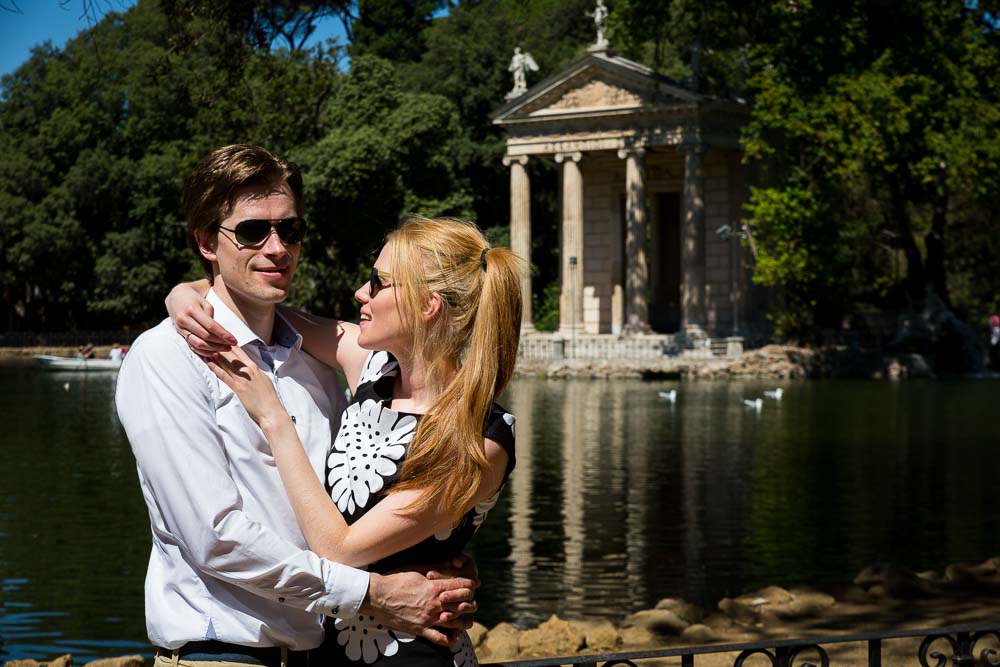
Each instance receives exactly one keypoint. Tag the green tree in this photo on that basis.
(392, 29)
(95, 138)
(386, 152)
(875, 145)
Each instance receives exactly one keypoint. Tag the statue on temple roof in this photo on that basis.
(600, 15)
(519, 64)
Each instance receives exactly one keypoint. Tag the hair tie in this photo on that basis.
(482, 259)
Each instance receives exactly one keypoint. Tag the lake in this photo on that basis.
(619, 499)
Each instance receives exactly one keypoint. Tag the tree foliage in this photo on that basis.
(873, 140)
(879, 142)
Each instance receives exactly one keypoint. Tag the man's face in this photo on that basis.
(259, 274)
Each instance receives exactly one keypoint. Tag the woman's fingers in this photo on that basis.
(237, 362)
(221, 370)
(203, 334)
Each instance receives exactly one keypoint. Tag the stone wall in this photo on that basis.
(544, 346)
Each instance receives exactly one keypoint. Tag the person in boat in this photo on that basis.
(231, 580)
(87, 352)
(116, 353)
(424, 449)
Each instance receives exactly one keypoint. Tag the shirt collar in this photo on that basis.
(284, 333)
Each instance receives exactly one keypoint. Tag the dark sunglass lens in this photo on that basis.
(374, 283)
(291, 230)
(252, 232)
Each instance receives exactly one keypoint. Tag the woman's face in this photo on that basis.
(381, 325)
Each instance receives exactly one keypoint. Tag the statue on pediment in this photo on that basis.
(600, 15)
(519, 64)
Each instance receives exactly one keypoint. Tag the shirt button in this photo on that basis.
(293, 419)
(281, 599)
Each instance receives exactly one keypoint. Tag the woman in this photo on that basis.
(423, 450)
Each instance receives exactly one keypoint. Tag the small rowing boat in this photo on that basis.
(54, 363)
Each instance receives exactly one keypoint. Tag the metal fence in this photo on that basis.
(960, 645)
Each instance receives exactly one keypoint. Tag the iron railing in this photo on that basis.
(808, 652)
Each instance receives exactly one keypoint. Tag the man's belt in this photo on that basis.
(212, 650)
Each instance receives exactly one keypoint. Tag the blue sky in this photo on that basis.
(59, 20)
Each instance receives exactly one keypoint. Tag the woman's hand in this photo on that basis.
(192, 317)
(255, 390)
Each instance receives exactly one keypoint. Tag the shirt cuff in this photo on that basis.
(347, 588)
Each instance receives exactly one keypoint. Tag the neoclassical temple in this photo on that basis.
(651, 187)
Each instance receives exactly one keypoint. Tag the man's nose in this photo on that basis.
(273, 245)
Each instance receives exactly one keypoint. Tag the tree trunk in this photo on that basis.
(936, 277)
(915, 281)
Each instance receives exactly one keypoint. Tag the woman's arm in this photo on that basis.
(386, 529)
(334, 342)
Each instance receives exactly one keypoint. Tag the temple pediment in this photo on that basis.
(589, 95)
(594, 85)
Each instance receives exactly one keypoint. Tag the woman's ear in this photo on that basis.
(206, 244)
(433, 307)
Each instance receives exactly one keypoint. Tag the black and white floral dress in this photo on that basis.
(365, 461)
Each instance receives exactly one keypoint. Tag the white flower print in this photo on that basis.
(479, 512)
(366, 452)
(365, 638)
(509, 418)
(378, 366)
(464, 654)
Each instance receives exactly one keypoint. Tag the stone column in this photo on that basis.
(636, 270)
(571, 296)
(520, 229)
(693, 312)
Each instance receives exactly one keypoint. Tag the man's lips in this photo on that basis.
(272, 271)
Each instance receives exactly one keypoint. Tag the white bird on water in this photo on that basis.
(776, 394)
(669, 395)
(754, 403)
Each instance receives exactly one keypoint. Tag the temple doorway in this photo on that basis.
(665, 263)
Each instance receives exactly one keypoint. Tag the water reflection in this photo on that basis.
(621, 499)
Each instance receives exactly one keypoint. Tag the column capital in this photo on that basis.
(631, 151)
(510, 159)
(562, 157)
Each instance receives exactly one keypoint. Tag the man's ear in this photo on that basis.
(207, 243)
(433, 307)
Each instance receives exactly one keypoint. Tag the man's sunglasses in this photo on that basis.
(255, 232)
(375, 284)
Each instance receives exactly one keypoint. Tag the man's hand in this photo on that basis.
(463, 566)
(415, 603)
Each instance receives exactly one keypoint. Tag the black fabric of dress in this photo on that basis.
(364, 462)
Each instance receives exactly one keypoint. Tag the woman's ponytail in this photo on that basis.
(478, 331)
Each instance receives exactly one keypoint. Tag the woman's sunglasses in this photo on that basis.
(255, 232)
(375, 284)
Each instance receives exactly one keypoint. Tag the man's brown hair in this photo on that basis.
(210, 191)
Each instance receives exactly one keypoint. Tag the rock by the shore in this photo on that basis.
(893, 596)
(659, 622)
(553, 637)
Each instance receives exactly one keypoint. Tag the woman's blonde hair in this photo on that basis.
(477, 330)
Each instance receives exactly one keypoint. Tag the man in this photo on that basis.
(230, 578)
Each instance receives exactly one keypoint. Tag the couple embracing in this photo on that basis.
(290, 530)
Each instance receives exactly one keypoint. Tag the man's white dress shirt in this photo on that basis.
(229, 561)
